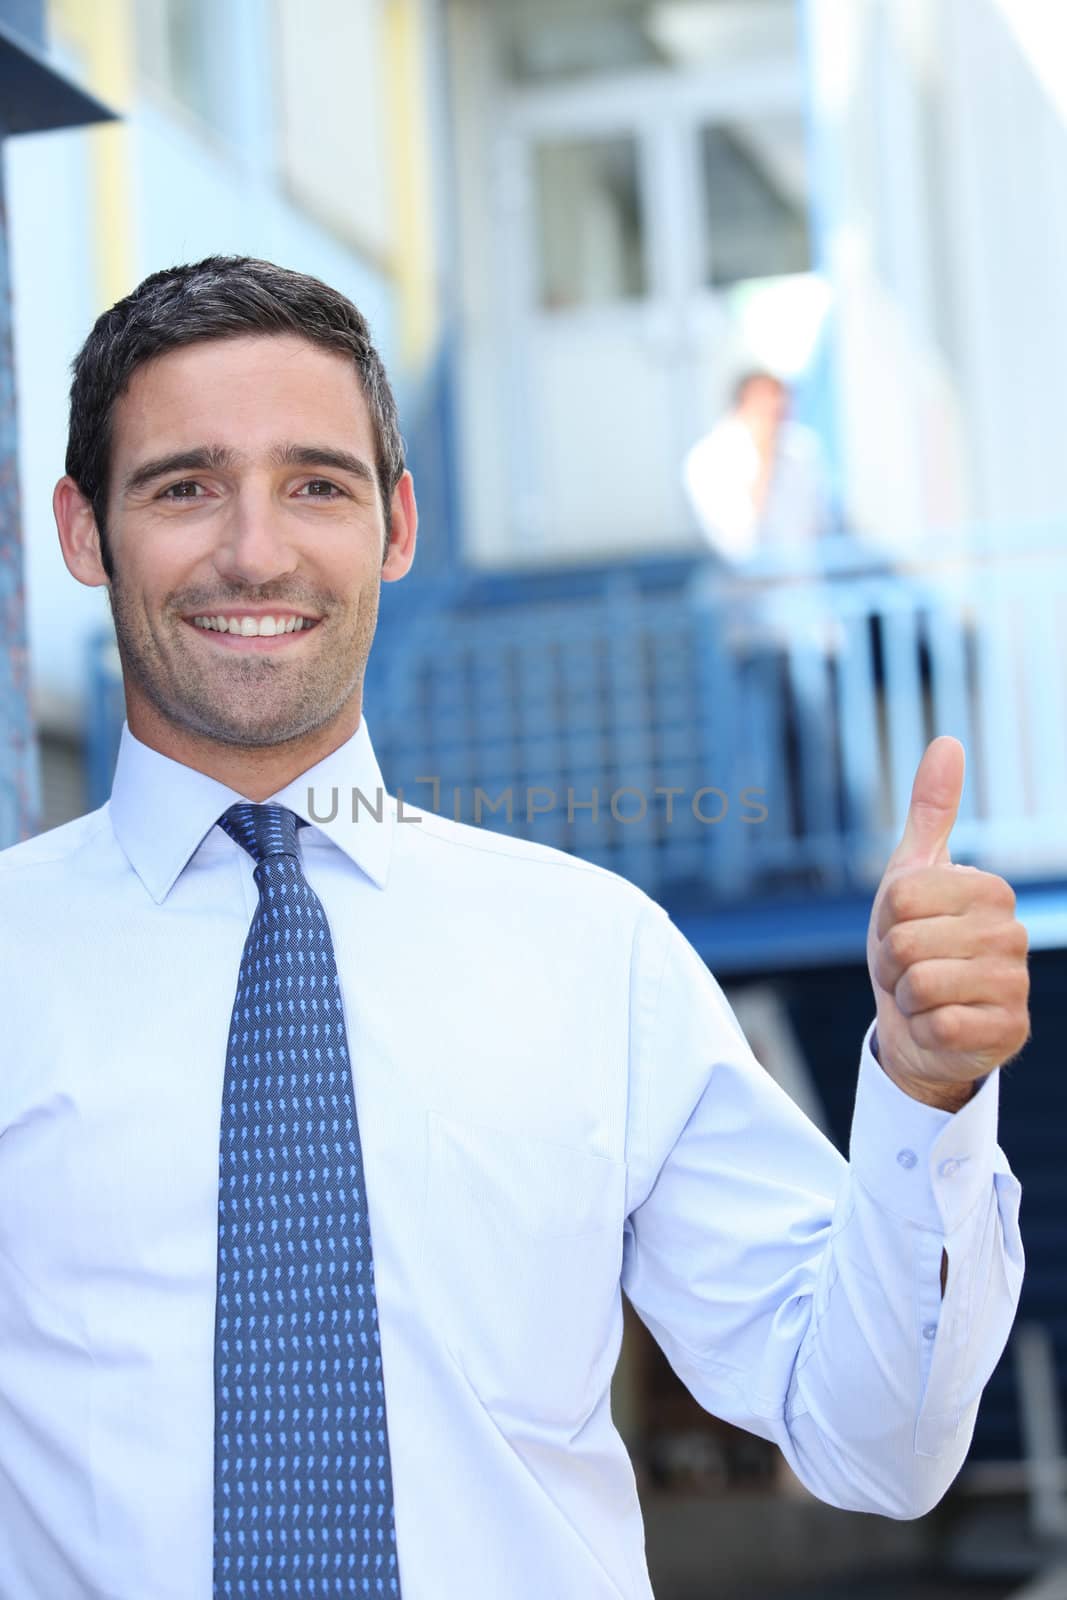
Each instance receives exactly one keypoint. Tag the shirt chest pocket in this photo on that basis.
(524, 1241)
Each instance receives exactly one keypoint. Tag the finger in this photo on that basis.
(985, 980)
(940, 891)
(963, 1030)
(935, 804)
(946, 937)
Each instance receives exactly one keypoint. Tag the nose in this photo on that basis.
(256, 544)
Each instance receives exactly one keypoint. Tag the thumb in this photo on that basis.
(935, 804)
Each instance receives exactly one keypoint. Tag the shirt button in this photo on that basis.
(930, 1330)
(907, 1158)
(949, 1169)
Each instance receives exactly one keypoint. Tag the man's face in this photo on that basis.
(241, 527)
(766, 403)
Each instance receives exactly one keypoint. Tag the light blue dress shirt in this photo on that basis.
(555, 1104)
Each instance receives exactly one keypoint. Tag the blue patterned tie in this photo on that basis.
(303, 1482)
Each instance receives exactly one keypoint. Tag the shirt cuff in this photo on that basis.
(927, 1166)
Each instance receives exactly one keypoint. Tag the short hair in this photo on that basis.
(755, 375)
(217, 298)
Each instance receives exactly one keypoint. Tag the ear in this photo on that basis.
(79, 537)
(405, 523)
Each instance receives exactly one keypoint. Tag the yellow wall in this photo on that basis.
(100, 32)
(408, 136)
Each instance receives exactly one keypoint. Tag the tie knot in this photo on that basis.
(263, 830)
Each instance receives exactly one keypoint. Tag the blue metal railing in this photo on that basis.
(740, 736)
(105, 711)
(20, 776)
(794, 702)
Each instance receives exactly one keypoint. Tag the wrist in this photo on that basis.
(942, 1095)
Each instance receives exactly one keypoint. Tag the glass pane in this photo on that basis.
(189, 37)
(545, 40)
(150, 40)
(756, 200)
(590, 222)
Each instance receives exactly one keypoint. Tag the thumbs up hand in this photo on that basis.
(946, 953)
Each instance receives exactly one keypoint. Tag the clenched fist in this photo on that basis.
(946, 952)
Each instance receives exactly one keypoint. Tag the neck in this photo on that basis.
(254, 772)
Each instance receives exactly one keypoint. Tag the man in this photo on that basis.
(214, 1371)
(758, 480)
(757, 486)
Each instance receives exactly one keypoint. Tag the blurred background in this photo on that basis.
(727, 338)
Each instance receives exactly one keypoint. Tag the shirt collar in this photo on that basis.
(162, 810)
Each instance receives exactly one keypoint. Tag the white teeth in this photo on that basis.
(253, 627)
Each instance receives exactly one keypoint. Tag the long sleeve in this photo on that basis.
(794, 1293)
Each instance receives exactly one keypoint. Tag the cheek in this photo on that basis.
(362, 585)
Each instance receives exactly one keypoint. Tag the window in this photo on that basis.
(178, 48)
(550, 40)
(755, 188)
(590, 221)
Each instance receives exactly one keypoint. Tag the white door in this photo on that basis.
(641, 220)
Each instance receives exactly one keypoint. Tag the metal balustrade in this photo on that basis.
(787, 710)
(741, 736)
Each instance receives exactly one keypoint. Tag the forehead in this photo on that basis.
(241, 390)
(765, 386)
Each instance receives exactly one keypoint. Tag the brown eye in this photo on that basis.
(170, 493)
(323, 483)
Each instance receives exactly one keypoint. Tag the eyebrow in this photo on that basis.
(219, 458)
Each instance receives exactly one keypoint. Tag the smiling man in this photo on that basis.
(327, 1149)
(257, 504)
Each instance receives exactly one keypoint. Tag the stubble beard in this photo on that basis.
(242, 701)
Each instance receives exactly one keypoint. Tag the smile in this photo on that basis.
(243, 633)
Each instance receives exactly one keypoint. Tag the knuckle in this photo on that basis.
(1001, 892)
(1009, 979)
(945, 1027)
(900, 899)
(1004, 937)
(900, 945)
(919, 986)
(885, 972)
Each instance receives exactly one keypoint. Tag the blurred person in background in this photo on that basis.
(758, 485)
(759, 479)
